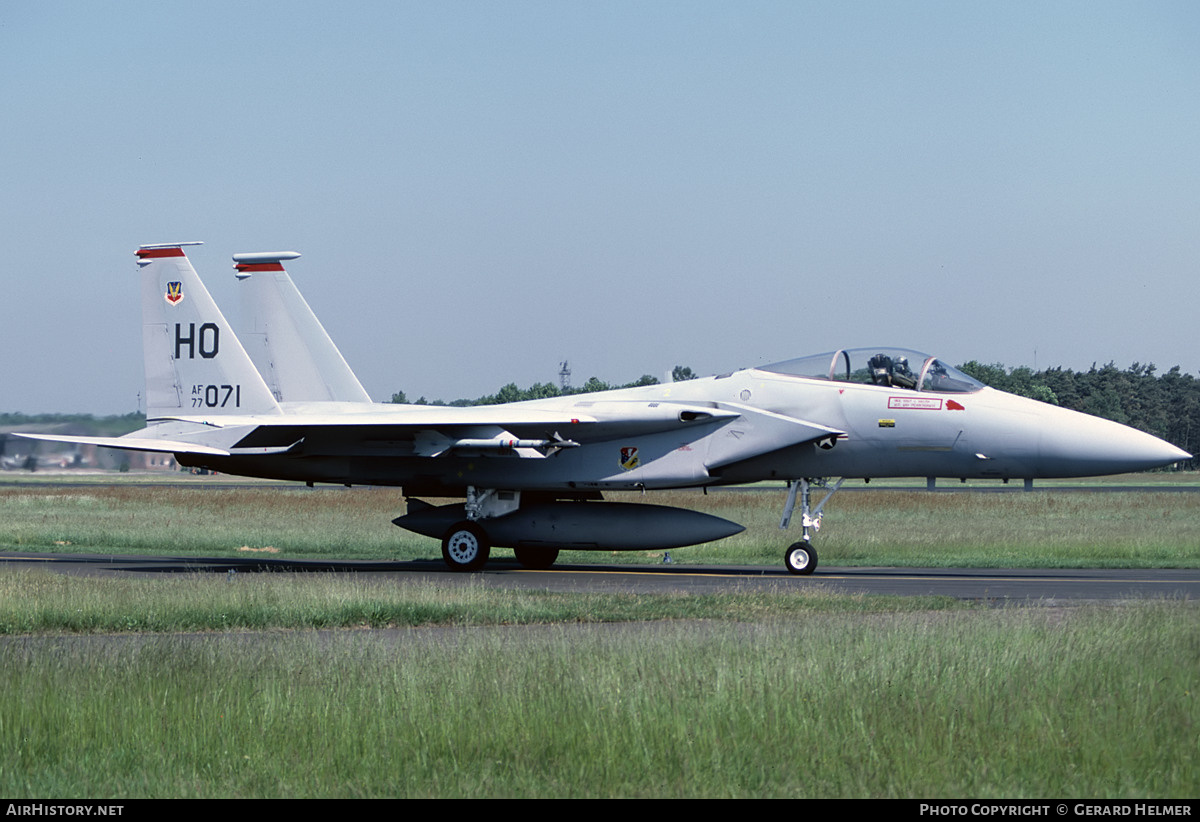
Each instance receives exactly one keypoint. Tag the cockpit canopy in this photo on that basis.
(893, 367)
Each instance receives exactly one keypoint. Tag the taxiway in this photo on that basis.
(994, 585)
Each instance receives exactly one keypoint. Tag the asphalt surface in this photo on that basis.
(1026, 586)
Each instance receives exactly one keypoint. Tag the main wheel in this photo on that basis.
(801, 558)
(465, 547)
(536, 559)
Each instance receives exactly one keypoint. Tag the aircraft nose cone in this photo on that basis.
(1090, 446)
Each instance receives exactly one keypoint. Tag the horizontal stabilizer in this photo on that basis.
(130, 443)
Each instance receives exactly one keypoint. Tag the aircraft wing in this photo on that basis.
(730, 432)
(722, 433)
(429, 431)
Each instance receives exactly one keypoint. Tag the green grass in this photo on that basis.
(1052, 528)
(214, 686)
(1038, 530)
(40, 601)
(984, 704)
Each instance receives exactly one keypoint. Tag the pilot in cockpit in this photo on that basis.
(902, 375)
(894, 372)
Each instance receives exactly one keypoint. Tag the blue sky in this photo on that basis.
(481, 190)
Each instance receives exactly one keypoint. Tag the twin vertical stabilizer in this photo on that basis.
(284, 338)
(195, 365)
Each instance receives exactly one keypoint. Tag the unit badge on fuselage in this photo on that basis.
(629, 457)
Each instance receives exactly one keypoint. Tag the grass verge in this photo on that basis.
(890, 527)
(42, 602)
(1014, 703)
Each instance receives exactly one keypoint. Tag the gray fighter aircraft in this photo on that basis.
(532, 473)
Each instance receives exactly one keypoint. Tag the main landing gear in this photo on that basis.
(801, 557)
(466, 546)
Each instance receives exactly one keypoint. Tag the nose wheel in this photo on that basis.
(801, 558)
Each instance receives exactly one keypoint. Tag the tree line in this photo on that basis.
(78, 424)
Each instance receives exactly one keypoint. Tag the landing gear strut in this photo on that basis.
(801, 557)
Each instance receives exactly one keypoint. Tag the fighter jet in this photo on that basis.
(533, 473)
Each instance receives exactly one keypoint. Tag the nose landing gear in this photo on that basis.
(801, 557)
